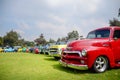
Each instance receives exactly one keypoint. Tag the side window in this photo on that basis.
(116, 34)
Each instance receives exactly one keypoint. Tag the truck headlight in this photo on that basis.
(84, 52)
(59, 50)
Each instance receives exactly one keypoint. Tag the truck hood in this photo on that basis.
(89, 42)
(58, 46)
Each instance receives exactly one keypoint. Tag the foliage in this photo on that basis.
(11, 38)
(51, 40)
(28, 43)
(119, 12)
(114, 22)
(73, 34)
(62, 39)
(40, 40)
(1, 41)
(21, 42)
(70, 35)
(58, 40)
(28, 66)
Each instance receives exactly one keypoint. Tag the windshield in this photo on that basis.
(61, 43)
(99, 34)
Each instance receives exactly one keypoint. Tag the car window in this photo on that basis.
(116, 34)
(99, 34)
(61, 43)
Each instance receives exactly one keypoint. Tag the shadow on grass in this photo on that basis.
(116, 68)
(50, 59)
(67, 69)
(71, 70)
(48, 56)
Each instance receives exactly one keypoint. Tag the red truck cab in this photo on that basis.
(100, 50)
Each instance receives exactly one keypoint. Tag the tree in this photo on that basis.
(114, 22)
(51, 40)
(1, 41)
(40, 40)
(70, 36)
(73, 35)
(119, 12)
(64, 39)
(11, 38)
(28, 43)
(21, 42)
(58, 40)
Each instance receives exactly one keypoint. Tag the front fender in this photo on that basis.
(95, 52)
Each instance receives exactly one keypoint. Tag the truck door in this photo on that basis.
(116, 45)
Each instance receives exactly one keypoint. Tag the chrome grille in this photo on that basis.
(53, 49)
(72, 57)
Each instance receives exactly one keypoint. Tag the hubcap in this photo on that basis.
(101, 64)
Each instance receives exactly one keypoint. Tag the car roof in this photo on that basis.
(109, 27)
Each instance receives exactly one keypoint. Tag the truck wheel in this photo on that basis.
(100, 64)
(57, 58)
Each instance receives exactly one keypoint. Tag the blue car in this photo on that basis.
(9, 49)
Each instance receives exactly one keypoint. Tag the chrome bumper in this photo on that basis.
(55, 54)
(79, 67)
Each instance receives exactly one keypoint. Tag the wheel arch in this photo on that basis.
(95, 69)
(94, 54)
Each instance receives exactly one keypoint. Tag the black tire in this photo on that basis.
(57, 58)
(100, 64)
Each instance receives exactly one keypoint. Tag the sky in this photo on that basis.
(55, 18)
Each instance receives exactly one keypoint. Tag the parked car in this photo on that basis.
(9, 49)
(24, 49)
(41, 51)
(46, 48)
(36, 50)
(55, 50)
(20, 49)
(98, 52)
(1, 49)
(27, 49)
(16, 48)
(31, 49)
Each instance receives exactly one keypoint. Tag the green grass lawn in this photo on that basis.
(29, 66)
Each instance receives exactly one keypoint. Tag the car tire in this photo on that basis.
(57, 58)
(100, 64)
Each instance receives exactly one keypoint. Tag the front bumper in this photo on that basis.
(80, 67)
(55, 54)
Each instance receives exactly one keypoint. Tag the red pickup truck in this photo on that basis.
(98, 52)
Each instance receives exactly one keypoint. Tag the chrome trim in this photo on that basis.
(79, 67)
(69, 48)
(74, 52)
(55, 54)
(84, 50)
